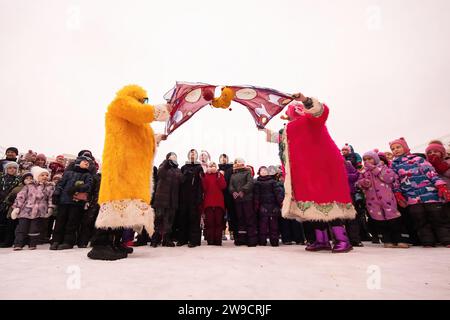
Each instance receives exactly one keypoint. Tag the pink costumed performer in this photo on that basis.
(315, 177)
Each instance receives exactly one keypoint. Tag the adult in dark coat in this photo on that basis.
(230, 213)
(166, 200)
(190, 201)
(10, 156)
(241, 188)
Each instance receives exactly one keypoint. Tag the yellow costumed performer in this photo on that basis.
(127, 168)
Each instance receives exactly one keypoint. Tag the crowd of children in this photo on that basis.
(401, 199)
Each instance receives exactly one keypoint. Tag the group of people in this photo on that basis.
(400, 199)
(318, 194)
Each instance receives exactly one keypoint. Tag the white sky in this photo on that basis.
(383, 67)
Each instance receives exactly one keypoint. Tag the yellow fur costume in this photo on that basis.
(127, 164)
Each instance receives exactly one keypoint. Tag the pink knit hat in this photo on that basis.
(401, 141)
(437, 147)
(347, 147)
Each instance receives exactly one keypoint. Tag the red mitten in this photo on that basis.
(401, 201)
(443, 192)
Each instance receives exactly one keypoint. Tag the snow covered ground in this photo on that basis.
(228, 272)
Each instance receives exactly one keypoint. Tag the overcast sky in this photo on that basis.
(383, 68)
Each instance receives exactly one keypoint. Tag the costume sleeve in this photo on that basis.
(138, 113)
(318, 113)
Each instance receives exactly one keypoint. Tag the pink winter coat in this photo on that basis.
(377, 183)
(34, 200)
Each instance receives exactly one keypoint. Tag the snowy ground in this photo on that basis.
(228, 272)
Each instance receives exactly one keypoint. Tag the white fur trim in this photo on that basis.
(133, 214)
(162, 112)
(317, 108)
(290, 210)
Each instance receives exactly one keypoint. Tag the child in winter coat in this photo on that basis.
(423, 193)
(241, 188)
(71, 195)
(26, 161)
(32, 203)
(58, 166)
(436, 155)
(213, 183)
(8, 181)
(377, 180)
(268, 198)
(11, 224)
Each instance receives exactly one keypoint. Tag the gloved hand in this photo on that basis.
(365, 183)
(241, 194)
(443, 192)
(235, 195)
(49, 212)
(401, 201)
(15, 213)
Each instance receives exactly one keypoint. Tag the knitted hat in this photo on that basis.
(60, 157)
(373, 155)
(26, 175)
(436, 147)
(13, 149)
(347, 147)
(41, 156)
(10, 164)
(37, 171)
(85, 153)
(401, 141)
(83, 158)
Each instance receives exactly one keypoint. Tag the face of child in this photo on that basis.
(345, 152)
(389, 156)
(397, 150)
(43, 177)
(11, 171)
(33, 158)
(84, 164)
(40, 162)
(369, 160)
(434, 154)
(10, 154)
(263, 172)
(60, 160)
(212, 168)
(56, 179)
(28, 180)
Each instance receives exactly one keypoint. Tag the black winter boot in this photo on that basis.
(103, 247)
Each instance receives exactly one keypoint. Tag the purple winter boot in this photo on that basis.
(321, 243)
(342, 243)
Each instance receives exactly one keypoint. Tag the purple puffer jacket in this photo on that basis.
(352, 175)
(377, 183)
(34, 200)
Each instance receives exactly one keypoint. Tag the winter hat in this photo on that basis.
(13, 149)
(383, 157)
(26, 175)
(169, 155)
(60, 157)
(401, 141)
(87, 153)
(10, 164)
(41, 156)
(239, 163)
(373, 155)
(36, 172)
(82, 158)
(436, 147)
(29, 154)
(347, 147)
(272, 170)
(207, 154)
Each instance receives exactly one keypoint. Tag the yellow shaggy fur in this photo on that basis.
(127, 164)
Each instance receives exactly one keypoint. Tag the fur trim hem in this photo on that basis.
(133, 214)
(309, 211)
(161, 112)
